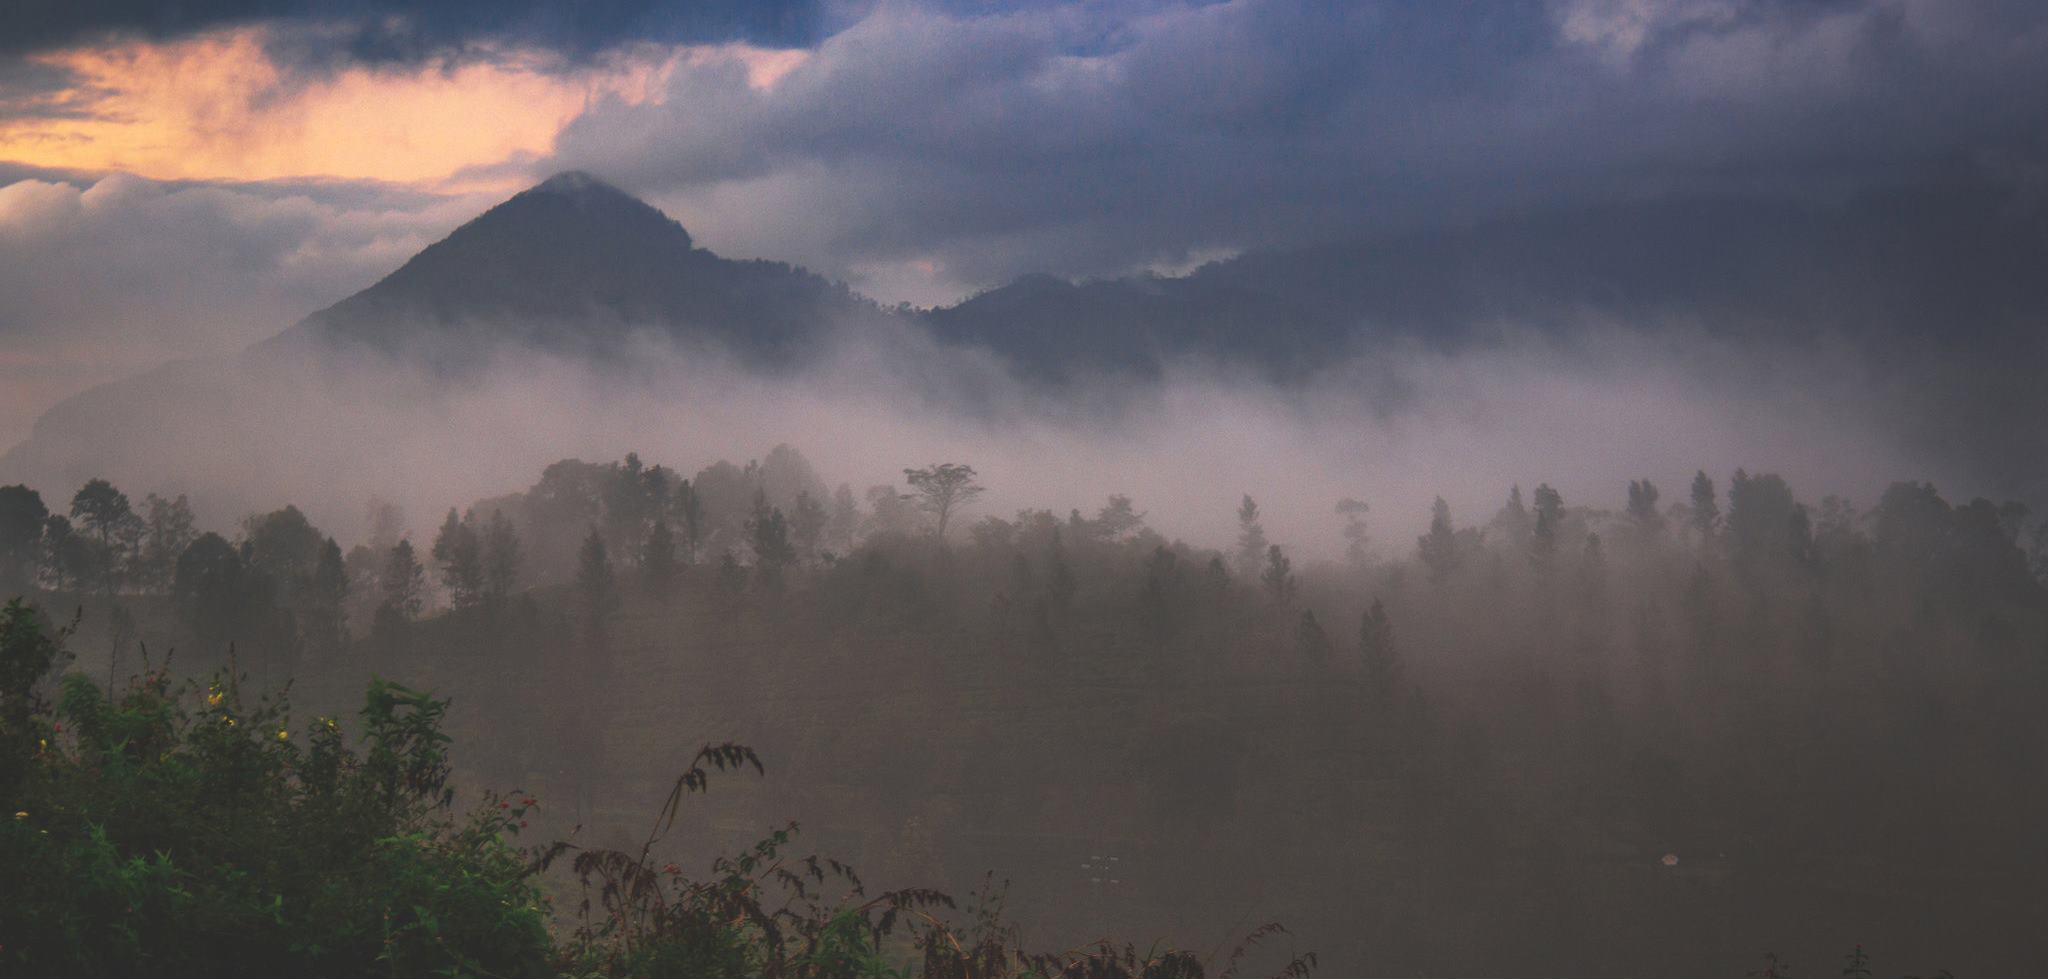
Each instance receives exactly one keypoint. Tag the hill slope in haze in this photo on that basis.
(570, 265)
(1927, 289)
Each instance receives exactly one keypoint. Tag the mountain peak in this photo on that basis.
(573, 182)
(576, 201)
(573, 264)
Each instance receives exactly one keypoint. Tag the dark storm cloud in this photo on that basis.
(378, 30)
(1086, 139)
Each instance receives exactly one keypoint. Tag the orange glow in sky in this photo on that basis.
(217, 107)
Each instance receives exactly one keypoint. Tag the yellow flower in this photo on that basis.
(229, 721)
(213, 699)
(283, 735)
(23, 814)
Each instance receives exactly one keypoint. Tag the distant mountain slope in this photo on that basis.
(569, 266)
(1946, 259)
(1938, 286)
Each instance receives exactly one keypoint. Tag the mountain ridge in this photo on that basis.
(571, 265)
(576, 268)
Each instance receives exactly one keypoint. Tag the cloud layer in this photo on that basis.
(100, 281)
(921, 150)
(1395, 427)
(376, 30)
(1084, 139)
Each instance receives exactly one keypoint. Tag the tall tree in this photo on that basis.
(1549, 516)
(1439, 548)
(460, 557)
(689, 511)
(768, 534)
(807, 525)
(596, 585)
(323, 601)
(1216, 580)
(1251, 538)
(387, 524)
(1118, 519)
(103, 513)
(889, 512)
(1512, 525)
(225, 599)
(844, 523)
(405, 582)
(168, 530)
(500, 556)
(1376, 652)
(1355, 539)
(658, 558)
(1642, 507)
(1765, 523)
(283, 544)
(22, 516)
(732, 576)
(1706, 513)
(1059, 585)
(629, 503)
(208, 588)
(1310, 639)
(1279, 576)
(67, 555)
(1156, 601)
(941, 489)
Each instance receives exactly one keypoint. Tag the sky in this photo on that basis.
(179, 180)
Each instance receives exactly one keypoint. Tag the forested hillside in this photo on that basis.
(1667, 731)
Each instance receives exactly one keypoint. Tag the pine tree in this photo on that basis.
(500, 559)
(405, 582)
(167, 530)
(1355, 539)
(1706, 514)
(1216, 580)
(1513, 525)
(460, 557)
(768, 534)
(1310, 640)
(22, 518)
(1642, 507)
(658, 557)
(845, 520)
(104, 514)
(323, 602)
(732, 577)
(689, 511)
(807, 520)
(1059, 588)
(1279, 576)
(1376, 652)
(1251, 538)
(1156, 599)
(596, 585)
(1549, 515)
(1439, 548)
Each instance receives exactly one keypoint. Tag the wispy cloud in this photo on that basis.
(225, 106)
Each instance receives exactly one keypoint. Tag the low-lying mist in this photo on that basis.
(1394, 423)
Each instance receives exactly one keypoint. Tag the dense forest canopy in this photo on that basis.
(1558, 723)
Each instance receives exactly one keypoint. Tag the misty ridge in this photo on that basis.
(575, 321)
(1437, 598)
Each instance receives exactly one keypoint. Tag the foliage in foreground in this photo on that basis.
(181, 831)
